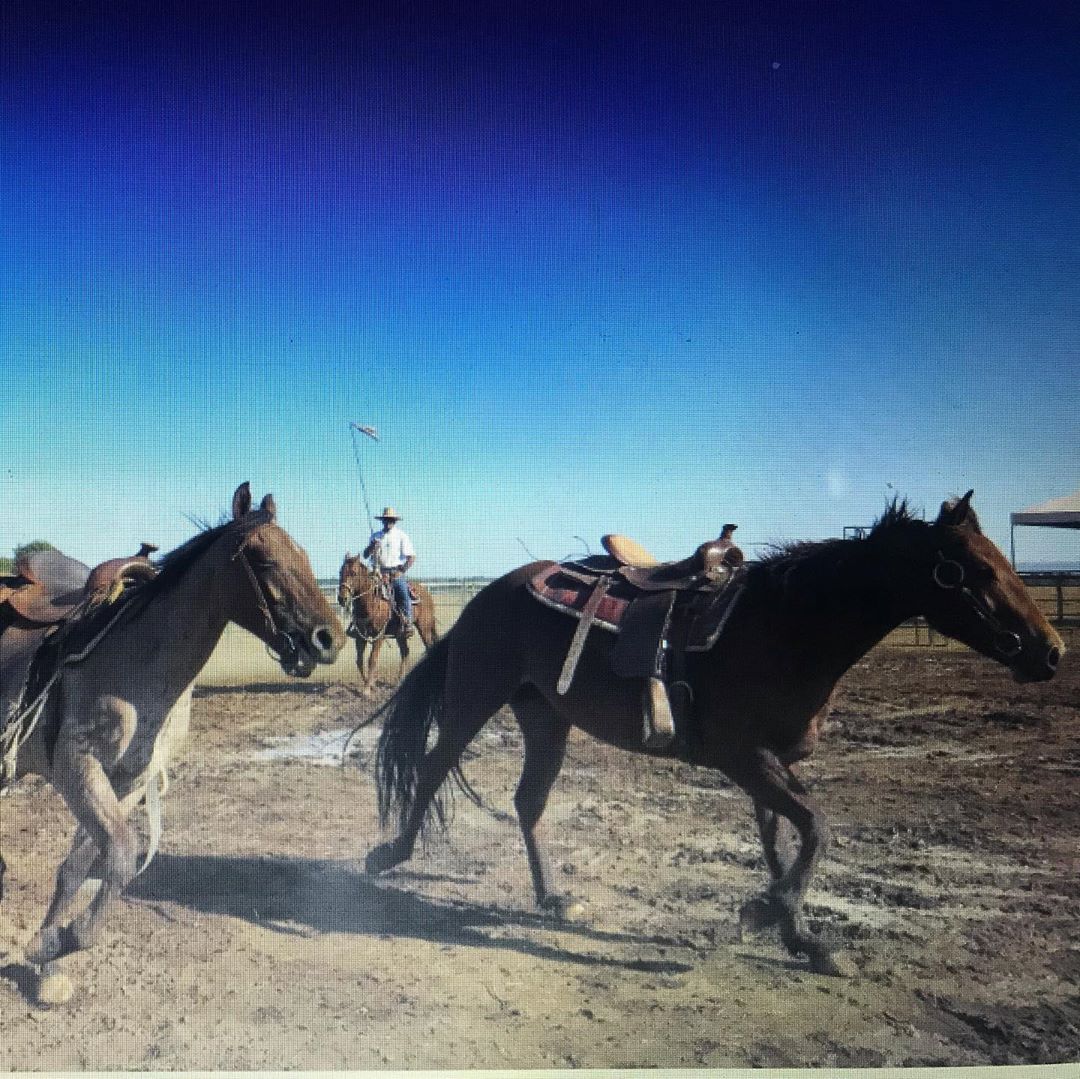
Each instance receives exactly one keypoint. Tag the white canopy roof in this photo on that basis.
(1057, 513)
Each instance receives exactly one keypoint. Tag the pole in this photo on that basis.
(354, 429)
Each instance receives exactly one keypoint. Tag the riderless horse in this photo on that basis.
(99, 688)
(776, 638)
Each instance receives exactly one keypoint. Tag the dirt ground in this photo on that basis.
(255, 940)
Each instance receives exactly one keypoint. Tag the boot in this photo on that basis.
(659, 726)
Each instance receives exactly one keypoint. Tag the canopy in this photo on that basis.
(1057, 513)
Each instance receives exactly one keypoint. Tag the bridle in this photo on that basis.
(374, 582)
(949, 575)
(282, 644)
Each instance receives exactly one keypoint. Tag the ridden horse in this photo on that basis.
(803, 616)
(372, 618)
(116, 688)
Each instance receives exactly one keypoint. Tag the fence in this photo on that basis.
(1056, 593)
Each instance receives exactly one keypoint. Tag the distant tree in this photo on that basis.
(33, 545)
(7, 565)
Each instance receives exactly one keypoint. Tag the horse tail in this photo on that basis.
(407, 718)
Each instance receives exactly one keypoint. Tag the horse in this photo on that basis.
(804, 614)
(113, 690)
(372, 618)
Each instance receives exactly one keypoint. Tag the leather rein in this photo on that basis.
(281, 642)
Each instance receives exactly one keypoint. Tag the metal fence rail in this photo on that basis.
(1058, 596)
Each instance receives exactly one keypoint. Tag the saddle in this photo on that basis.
(49, 593)
(658, 610)
(49, 585)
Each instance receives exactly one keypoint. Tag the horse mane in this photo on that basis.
(783, 563)
(173, 565)
(82, 632)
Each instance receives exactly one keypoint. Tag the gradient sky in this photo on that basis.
(640, 267)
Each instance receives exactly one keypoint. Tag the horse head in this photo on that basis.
(284, 606)
(971, 593)
(352, 579)
(360, 590)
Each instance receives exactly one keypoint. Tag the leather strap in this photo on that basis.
(577, 643)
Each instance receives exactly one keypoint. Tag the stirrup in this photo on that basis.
(658, 730)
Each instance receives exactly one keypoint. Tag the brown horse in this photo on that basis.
(109, 693)
(372, 618)
(803, 616)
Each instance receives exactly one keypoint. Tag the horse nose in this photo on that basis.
(325, 643)
(1053, 658)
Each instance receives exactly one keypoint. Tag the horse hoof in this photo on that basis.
(45, 947)
(562, 906)
(833, 966)
(380, 859)
(759, 913)
(53, 989)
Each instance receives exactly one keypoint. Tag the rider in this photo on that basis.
(391, 552)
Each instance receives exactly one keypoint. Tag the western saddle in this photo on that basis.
(45, 598)
(659, 610)
(49, 586)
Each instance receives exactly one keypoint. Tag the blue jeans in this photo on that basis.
(402, 598)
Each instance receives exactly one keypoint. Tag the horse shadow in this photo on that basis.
(301, 896)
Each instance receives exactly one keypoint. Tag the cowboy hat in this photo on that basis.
(389, 514)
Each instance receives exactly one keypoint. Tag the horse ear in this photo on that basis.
(241, 500)
(957, 513)
(267, 504)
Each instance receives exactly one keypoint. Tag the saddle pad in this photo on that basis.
(556, 588)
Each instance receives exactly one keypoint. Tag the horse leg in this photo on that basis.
(463, 716)
(544, 735)
(361, 649)
(104, 829)
(75, 869)
(768, 828)
(403, 648)
(772, 784)
(3, 870)
(373, 658)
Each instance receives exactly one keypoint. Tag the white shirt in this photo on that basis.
(394, 548)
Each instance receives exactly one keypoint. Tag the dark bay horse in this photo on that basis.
(115, 689)
(372, 618)
(804, 615)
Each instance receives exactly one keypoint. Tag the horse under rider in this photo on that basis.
(391, 552)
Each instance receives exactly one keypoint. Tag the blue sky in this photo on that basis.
(605, 267)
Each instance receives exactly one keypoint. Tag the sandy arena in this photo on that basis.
(255, 940)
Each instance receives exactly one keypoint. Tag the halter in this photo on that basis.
(280, 639)
(949, 574)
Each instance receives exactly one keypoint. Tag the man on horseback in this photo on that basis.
(392, 553)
